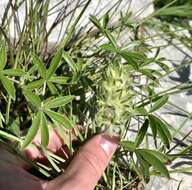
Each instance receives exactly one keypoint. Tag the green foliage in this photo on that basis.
(96, 81)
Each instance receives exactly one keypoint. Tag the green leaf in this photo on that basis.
(162, 130)
(35, 84)
(154, 72)
(164, 127)
(3, 57)
(162, 157)
(13, 72)
(54, 63)
(8, 85)
(148, 73)
(154, 161)
(141, 133)
(105, 20)
(40, 66)
(111, 38)
(32, 98)
(108, 47)
(14, 128)
(159, 103)
(162, 65)
(140, 111)
(59, 80)
(52, 88)
(96, 22)
(32, 131)
(130, 58)
(128, 145)
(70, 61)
(145, 166)
(60, 118)
(58, 102)
(44, 130)
(180, 11)
(153, 126)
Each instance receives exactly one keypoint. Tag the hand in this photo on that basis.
(83, 172)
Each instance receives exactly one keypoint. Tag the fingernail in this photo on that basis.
(109, 144)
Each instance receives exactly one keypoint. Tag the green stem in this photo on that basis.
(8, 110)
(72, 29)
(10, 136)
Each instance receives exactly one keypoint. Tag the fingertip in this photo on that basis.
(109, 144)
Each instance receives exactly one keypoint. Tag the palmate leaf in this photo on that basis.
(32, 130)
(141, 133)
(9, 86)
(3, 57)
(159, 103)
(40, 66)
(54, 63)
(58, 102)
(60, 118)
(154, 161)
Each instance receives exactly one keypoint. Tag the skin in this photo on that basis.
(83, 172)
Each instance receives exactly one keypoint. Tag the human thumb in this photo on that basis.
(87, 166)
